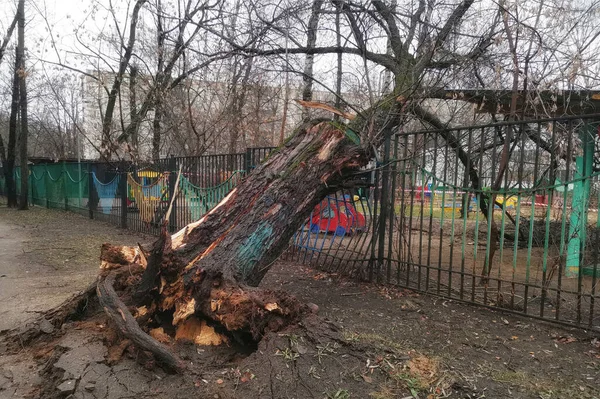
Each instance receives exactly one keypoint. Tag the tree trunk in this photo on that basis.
(208, 271)
(107, 145)
(160, 66)
(24, 126)
(133, 73)
(311, 42)
(9, 168)
(339, 71)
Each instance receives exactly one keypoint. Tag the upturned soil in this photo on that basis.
(366, 342)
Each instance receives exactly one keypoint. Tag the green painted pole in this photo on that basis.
(581, 197)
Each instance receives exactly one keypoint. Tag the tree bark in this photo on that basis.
(107, 145)
(9, 167)
(209, 269)
(24, 125)
(339, 71)
(133, 73)
(160, 66)
(311, 42)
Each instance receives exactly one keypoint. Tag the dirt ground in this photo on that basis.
(367, 342)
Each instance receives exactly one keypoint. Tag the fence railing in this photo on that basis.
(450, 213)
(502, 215)
(136, 196)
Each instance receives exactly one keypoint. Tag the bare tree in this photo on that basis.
(108, 147)
(12, 138)
(311, 42)
(7, 154)
(21, 72)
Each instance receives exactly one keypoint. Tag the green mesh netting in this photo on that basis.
(57, 185)
(38, 185)
(2, 185)
(76, 184)
(200, 200)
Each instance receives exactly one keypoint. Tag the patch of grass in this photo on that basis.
(418, 375)
(374, 339)
(351, 336)
(413, 384)
(288, 354)
(386, 392)
(325, 350)
(510, 377)
(424, 369)
(544, 387)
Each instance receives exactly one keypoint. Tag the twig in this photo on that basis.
(175, 193)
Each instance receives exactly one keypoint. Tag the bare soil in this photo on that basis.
(367, 341)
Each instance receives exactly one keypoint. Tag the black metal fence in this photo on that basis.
(137, 196)
(503, 215)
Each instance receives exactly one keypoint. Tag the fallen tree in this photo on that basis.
(200, 283)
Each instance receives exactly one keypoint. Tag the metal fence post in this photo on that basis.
(375, 218)
(65, 191)
(30, 186)
(383, 205)
(248, 160)
(123, 195)
(46, 187)
(172, 165)
(91, 190)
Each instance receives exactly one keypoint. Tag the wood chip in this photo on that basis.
(271, 306)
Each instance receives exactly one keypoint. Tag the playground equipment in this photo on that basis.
(147, 198)
(337, 216)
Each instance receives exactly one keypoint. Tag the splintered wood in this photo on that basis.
(198, 332)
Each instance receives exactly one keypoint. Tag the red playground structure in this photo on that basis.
(337, 216)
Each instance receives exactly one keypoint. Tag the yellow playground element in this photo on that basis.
(147, 198)
(150, 174)
(510, 202)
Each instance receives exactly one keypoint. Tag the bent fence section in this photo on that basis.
(502, 215)
(454, 214)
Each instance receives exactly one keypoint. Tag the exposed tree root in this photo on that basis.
(50, 321)
(128, 326)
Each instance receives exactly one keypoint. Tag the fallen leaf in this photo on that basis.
(367, 379)
(271, 306)
(566, 340)
(247, 376)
